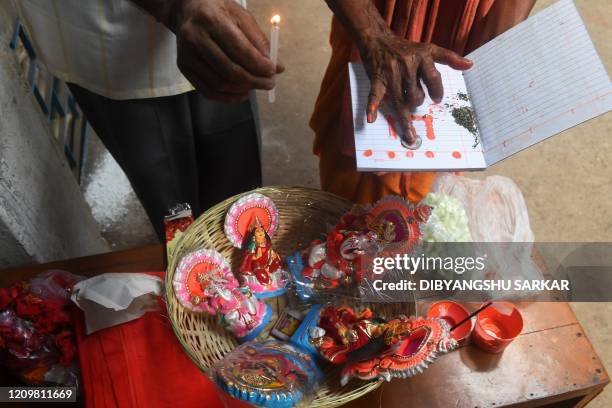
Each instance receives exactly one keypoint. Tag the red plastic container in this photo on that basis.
(453, 313)
(497, 326)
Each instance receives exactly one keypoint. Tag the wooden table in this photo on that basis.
(552, 363)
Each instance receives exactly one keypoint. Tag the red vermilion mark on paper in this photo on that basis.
(391, 122)
(429, 154)
(409, 154)
(428, 120)
(367, 153)
(429, 129)
(391, 155)
(456, 155)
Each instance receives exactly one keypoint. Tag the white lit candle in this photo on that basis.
(275, 20)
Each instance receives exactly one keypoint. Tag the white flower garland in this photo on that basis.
(448, 221)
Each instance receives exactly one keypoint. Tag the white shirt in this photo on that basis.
(110, 47)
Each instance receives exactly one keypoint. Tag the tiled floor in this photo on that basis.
(567, 180)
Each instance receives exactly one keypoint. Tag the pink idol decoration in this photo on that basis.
(371, 348)
(243, 212)
(203, 282)
(250, 224)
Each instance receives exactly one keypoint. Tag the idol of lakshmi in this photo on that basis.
(260, 268)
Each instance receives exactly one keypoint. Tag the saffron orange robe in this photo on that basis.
(459, 25)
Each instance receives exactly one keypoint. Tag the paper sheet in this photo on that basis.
(539, 78)
(446, 144)
(114, 298)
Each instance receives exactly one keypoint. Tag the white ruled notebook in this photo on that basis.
(537, 79)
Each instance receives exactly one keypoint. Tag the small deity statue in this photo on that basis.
(337, 261)
(204, 283)
(340, 259)
(342, 330)
(371, 348)
(260, 268)
(267, 373)
(238, 309)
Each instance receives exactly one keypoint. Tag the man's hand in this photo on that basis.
(395, 65)
(220, 48)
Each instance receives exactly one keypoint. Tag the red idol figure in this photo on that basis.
(261, 265)
(372, 348)
(345, 331)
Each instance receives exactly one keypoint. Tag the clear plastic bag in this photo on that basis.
(497, 213)
(54, 284)
(269, 373)
(37, 342)
(495, 207)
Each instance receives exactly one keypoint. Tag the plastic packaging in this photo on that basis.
(269, 373)
(498, 221)
(178, 219)
(495, 207)
(37, 342)
(335, 264)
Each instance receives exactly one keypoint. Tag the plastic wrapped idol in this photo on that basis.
(268, 374)
(203, 282)
(250, 224)
(372, 348)
(179, 218)
(336, 260)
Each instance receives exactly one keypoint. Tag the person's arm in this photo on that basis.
(220, 48)
(393, 64)
(504, 14)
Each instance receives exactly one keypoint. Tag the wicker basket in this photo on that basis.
(304, 214)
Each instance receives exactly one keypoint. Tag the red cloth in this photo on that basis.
(141, 364)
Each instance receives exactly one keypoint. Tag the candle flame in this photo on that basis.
(275, 19)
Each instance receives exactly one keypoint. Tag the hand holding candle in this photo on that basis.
(221, 49)
(275, 20)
